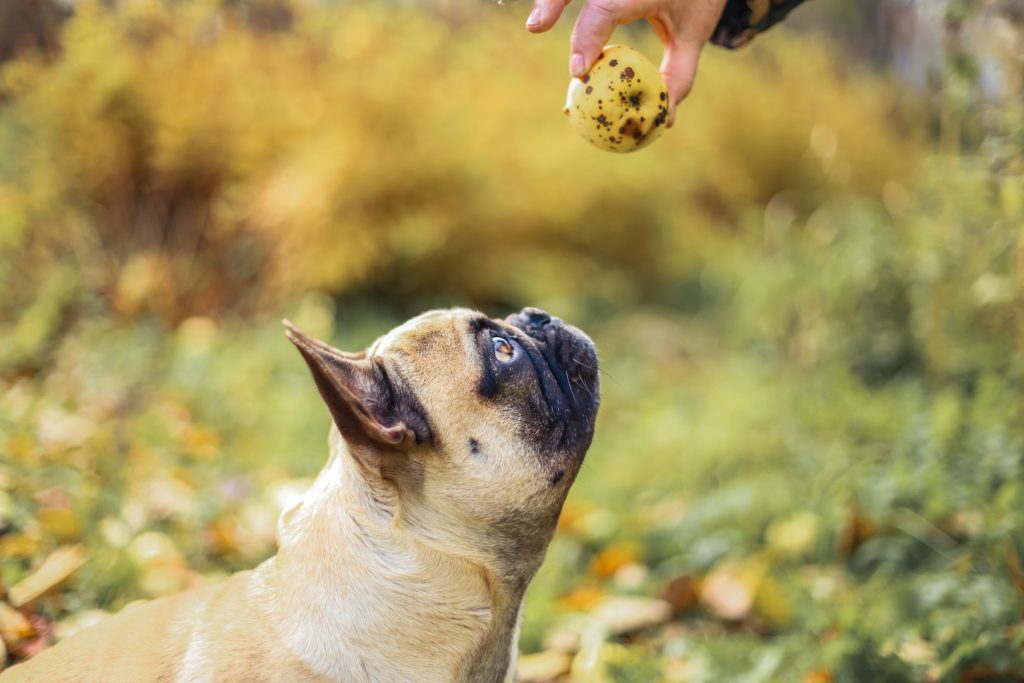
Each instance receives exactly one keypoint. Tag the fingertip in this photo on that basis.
(578, 65)
(679, 91)
(533, 21)
(593, 29)
(544, 15)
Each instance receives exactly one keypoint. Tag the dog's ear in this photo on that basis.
(359, 396)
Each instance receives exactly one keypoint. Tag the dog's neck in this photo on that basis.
(357, 598)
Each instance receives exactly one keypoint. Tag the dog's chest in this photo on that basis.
(412, 626)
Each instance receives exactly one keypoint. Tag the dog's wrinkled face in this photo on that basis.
(477, 426)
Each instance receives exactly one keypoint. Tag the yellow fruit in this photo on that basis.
(621, 105)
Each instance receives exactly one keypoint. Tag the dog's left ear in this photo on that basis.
(359, 395)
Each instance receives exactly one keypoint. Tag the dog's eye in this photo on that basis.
(503, 350)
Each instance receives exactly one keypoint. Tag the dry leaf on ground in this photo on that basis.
(56, 568)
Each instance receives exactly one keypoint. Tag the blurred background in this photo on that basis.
(808, 297)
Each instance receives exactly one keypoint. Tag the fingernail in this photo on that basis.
(534, 17)
(576, 65)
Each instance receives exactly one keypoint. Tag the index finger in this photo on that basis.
(545, 14)
(594, 27)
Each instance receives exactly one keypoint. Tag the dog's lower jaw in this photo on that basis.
(355, 599)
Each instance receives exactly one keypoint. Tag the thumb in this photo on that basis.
(679, 69)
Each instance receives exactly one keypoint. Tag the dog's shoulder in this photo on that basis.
(210, 632)
(117, 646)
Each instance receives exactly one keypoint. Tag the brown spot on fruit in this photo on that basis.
(630, 127)
(590, 89)
(614, 62)
(627, 74)
(662, 96)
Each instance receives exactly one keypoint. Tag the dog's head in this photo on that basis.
(468, 429)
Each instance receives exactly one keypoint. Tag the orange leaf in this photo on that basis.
(608, 561)
(582, 599)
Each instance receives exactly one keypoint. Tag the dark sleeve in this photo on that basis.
(743, 19)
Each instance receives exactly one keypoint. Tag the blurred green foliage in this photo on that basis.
(809, 317)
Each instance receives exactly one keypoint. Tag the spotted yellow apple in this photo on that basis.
(621, 105)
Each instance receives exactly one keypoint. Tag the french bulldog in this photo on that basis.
(454, 442)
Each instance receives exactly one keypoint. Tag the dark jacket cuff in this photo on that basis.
(743, 19)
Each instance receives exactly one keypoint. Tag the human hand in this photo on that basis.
(683, 26)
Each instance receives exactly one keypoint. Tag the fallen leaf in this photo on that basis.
(980, 673)
(682, 593)
(115, 532)
(581, 599)
(631, 577)
(200, 442)
(170, 497)
(155, 548)
(60, 522)
(14, 626)
(729, 590)
(572, 512)
(679, 671)
(626, 615)
(18, 545)
(543, 667)
(771, 603)
(608, 561)
(917, 651)
(56, 569)
(592, 663)
(563, 638)
(794, 535)
(58, 430)
(855, 531)
(42, 640)
(597, 526)
(22, 448)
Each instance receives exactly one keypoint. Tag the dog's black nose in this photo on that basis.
(535, 317)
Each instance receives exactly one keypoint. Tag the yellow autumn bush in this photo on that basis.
(193, 164)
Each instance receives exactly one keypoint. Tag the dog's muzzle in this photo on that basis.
(571, 349)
